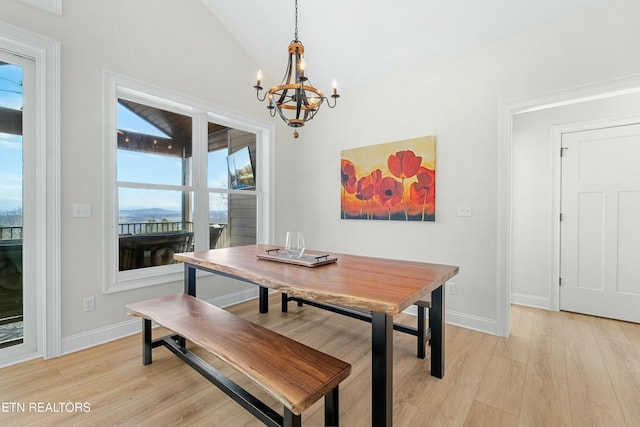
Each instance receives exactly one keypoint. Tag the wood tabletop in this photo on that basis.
(375, 284)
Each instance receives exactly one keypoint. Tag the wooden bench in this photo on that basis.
(293, 373)
(422, 331)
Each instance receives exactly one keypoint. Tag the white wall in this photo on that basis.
(176, 45)
(533, 281)
(179, 46)
(457, 100)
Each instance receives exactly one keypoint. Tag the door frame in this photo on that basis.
(506, 113)
(557, 133)
(46, 54)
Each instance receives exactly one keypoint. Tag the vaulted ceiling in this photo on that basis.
(358, 41)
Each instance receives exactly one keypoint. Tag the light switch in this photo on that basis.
(81, 210)
(464, 210)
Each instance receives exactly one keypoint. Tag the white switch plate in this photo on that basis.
(89, 303)
(81, 210)
(464, 210)
(451, 288)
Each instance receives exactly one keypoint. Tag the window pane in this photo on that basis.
(218, 173)
(149, 168)
(11, 190)
(232, 220)
(231, 165)
(218, 220)
(152, 226)
(154, 145)
(242, 219)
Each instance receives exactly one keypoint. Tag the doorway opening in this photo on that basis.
(29, 171)
(510, 249)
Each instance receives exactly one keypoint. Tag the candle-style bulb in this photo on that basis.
(301, 77)
(335, 87)
(259, 77)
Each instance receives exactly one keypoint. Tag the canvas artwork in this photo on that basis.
(392, 181)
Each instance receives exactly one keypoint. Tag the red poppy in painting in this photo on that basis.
(348, 175)
(426, 177)
(423, 191)
(389, 191)
(366, 185)
(421, 195)
(404, 164)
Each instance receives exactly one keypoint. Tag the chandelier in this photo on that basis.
(295, 99)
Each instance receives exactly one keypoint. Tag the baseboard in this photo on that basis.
(531, 301)
(470, 321)
(463, 320)
(106, 334)
(235, 298)
(99, 336)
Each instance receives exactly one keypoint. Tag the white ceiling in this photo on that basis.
(357, 41)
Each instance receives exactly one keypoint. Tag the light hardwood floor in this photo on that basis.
(556, 369)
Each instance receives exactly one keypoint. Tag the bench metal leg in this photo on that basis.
(182, 342)
(290, 419)
(146, 342)
(332, 408)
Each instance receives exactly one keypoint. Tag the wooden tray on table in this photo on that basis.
(306, 260)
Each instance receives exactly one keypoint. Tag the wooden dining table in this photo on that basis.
(384, 287)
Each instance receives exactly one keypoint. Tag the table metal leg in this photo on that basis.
(436, 323)
(189, 289)
(332, 408)
(382, 370)
(189, 280)
(147, 345)
(422, 332)
(264, 299)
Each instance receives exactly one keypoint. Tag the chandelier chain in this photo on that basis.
(296, 34)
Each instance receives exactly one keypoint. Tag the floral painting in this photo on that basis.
(393, 181)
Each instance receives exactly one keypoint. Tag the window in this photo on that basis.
(182, 177)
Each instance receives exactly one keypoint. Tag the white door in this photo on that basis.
(18, 305)
(600, 227)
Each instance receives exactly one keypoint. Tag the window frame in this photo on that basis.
(116, 87)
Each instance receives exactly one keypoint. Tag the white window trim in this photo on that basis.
(116, 86)
(52, 6)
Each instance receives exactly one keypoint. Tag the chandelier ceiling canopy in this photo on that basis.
(295, 99)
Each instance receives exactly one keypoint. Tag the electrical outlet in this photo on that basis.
(89, 303)
(465, 210)
(451, 288)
